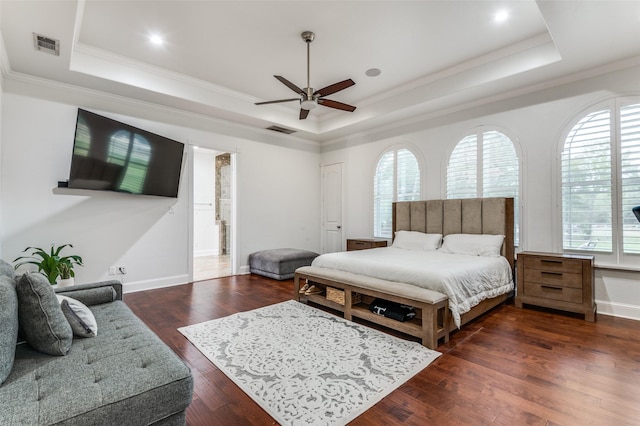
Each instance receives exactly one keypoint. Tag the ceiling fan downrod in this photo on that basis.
(309, 101)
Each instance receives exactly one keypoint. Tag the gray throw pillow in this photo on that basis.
(81, 319)
(9, 329)
(41, 318)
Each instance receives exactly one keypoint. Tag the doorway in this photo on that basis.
(212, 214)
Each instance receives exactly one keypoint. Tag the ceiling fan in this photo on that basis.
(307, 97)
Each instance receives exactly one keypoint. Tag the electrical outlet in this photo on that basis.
(122, 270)
(113, 270)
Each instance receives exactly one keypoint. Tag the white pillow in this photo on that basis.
(473, 244)
(81, 319)
(412, 240)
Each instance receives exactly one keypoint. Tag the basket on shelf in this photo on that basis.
(336, 295)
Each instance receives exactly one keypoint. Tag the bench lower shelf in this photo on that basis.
(411, 327)
(430, 325)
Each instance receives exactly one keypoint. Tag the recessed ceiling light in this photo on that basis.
(373, 72)
(501, 16)
(156, 39)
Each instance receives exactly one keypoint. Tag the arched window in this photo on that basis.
(132, 152)
(600, 170)
(485, 164)
(397, 178)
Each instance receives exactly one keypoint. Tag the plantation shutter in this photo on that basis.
(630, 172)
(586, 184)
(500, 172)
(485, 165)
(397, 179)
(383, 195)
(462, 170)
(408, 176)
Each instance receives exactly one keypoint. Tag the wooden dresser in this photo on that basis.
(557, 281)
(364, 243)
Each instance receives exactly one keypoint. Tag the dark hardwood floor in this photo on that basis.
(510, 367)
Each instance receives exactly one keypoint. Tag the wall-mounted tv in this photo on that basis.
(113, 156)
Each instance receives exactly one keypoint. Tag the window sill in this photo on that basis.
(615, 267)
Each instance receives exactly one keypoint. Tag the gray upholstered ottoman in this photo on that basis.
(279, 264)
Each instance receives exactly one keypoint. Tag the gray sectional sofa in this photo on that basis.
(125, 375)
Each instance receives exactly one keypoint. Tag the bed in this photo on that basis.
(446, 297)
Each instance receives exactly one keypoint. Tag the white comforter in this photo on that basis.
(467, 280)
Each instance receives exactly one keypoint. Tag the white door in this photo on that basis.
(332, 240)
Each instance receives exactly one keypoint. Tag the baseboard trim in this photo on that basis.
(154, 283)
(244, 270)
(621, 310)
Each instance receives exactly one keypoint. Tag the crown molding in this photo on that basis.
(94, 99)
(420, 120)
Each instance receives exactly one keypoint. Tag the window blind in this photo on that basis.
(462, 170)
(397, 178)
(587, 184)
(500, 172)
(630, 173)
(485, 164)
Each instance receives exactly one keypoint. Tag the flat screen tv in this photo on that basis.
(113, 156)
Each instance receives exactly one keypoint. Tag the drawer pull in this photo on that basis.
(359, 243)
(547, 287)
(550, 261)
(555, 274)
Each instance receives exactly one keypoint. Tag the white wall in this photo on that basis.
(276, 187)
(535, 123)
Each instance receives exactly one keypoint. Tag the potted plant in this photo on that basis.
(49, 263)
(65, 271)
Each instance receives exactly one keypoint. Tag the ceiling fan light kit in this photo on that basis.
(309, 98)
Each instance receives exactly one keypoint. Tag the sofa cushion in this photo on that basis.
(80, 317)
(40, 316)
(9, 321)
(6, 269)
(90, 296)
(124, 376)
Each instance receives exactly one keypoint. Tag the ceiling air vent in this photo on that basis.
(46, 44)
(281, 130)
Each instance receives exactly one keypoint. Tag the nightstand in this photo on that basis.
(557, 281)
(364, 243)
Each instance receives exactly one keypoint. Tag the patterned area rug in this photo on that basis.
(305, 366)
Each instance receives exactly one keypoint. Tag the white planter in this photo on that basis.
(65, 282)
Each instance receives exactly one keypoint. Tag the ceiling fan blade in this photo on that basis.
(303, 113)
(289, 84)
(336, 87)
(337, 105)
(278, 101)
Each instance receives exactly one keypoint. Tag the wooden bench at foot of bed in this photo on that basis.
(432, 321)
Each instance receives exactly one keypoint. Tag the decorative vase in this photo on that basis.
(66, 282)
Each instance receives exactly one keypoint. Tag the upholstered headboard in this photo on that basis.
(465, 216)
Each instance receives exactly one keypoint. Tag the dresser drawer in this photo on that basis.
(553, 264)
(553, 292)
(553, 278)
(556, 281)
